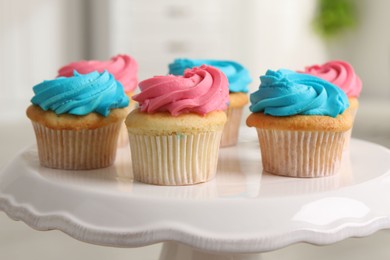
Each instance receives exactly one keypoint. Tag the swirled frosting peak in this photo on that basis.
(123, 67)
(200, 90)
(287, 93)
(81, 94)
(237, 75)
(339, 73)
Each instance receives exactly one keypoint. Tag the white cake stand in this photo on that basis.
(241, 211)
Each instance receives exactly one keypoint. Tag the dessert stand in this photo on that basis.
(242, 211)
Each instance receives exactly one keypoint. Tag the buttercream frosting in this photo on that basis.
(340, 73)
(81, 94)
(237, 75)
(200, 90)
(287, 93)
(123, 67)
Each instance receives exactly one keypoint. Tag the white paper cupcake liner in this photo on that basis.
(301, 153)
(348, 136)
(123, 137)
(231, 128)
(353, 112)
(77, 149)
(175, 159)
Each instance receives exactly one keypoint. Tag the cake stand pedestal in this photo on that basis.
(243, 211)
(177, 251)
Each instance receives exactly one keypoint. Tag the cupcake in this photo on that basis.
(176, 131)
(302, 123)
(77, 120)
(341, 74)
(123, 67)
(238, 78)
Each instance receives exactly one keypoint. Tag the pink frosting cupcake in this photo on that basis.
(341, 74)
(176, 131)
(123, 67)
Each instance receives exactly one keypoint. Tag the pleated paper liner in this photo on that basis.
(77, 149)
(232, 126)
(181, 159)
(123, 138)
(353, 112)
(301, 153)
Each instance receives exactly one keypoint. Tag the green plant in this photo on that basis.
(334, 17)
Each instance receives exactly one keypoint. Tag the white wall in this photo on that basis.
(155, 32)
(279, 35)
(36, 38)
(368, 48)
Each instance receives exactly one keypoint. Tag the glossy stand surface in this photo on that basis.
(242, 210)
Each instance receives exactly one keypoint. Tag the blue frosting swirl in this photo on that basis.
(237, 75)
(81, 94)
(286, 93)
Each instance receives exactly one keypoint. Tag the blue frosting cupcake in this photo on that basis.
(81, 94)
(237, 75)
(302, 123)
(286, 93)
(77, 120)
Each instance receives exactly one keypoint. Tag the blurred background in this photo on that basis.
(37, 37)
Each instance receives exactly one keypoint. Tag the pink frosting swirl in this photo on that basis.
(200, 90)
(339, 73)
(123, 67)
